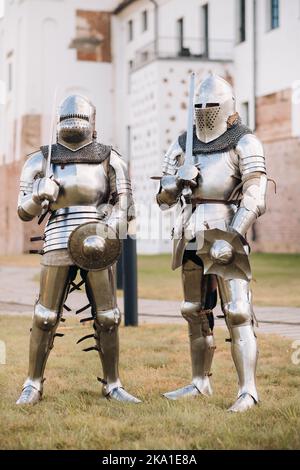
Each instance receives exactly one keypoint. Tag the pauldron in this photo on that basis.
(93, 153)
(224, 143)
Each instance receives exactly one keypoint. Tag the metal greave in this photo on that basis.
(202, 347)
(245, 354)
(201, 337)
(107, 341)
(41, 343)
(236, 305)
(54, 282)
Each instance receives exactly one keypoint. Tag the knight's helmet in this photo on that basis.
(214, 104)
(76, 122)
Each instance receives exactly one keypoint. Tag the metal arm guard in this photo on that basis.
(169, 191)
(32, 170)
(121, 196)
(254, 183)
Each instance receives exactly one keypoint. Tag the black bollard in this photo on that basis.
(129, 262)
(120, 273)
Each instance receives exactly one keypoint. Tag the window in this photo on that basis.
(242, 21)
(145, 56)
(130, 68)
(180, 29)
(274, 14)
(130, 30)
(245, 113)
(10, 77)
(144, 20)
(205, 30)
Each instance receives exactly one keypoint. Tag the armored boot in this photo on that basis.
(202, 349)
(244, 353)
(44, 326)
(106, 327)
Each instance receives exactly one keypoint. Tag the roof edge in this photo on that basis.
(122, 6)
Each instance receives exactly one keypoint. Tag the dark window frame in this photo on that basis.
(10, 76)
(274, 14)
(180, 29)
(145, 21)
(242, 21)
(130, 30)
(205, 25)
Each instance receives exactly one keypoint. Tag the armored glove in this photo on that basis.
(171, 187)
(45, 189)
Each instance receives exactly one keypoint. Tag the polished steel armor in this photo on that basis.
(76, 122)
(214, 105)
(88, 186)
(228, 195)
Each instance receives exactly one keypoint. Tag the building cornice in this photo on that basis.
(123, 5)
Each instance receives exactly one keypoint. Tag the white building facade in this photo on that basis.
(47, 46)
(133, 58)
(157, 44)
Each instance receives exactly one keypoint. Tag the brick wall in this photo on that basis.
(279, 229)
(93, 36)
(15, 234)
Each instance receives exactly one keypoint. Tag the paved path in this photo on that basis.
(19, 288)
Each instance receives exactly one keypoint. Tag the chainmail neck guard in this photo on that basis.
(225, 142)
(92, 153)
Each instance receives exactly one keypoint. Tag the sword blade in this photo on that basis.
(190, 125)
(48, 162)
(48, 173)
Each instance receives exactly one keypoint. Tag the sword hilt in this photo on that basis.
(187, 192)
(187, 174)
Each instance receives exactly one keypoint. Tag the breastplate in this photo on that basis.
(83, 188)
(80, 184)
(219, 175)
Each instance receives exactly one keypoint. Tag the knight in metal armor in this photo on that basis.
(215, 173)
(85, 187)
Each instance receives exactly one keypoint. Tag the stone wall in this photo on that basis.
(15, 234)
(279, 229)
(93, 36)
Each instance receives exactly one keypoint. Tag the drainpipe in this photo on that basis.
(254, 61)
(155, 27)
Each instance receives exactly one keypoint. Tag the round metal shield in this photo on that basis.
(94, 246)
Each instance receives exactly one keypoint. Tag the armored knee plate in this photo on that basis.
(238, 313)
(190, 310)
(108, 320)
(194, 314)
(43, 318)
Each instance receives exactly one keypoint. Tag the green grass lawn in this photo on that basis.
(154, 359)
(276, 277)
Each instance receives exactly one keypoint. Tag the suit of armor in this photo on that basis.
(228, 194)
(90, 183)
